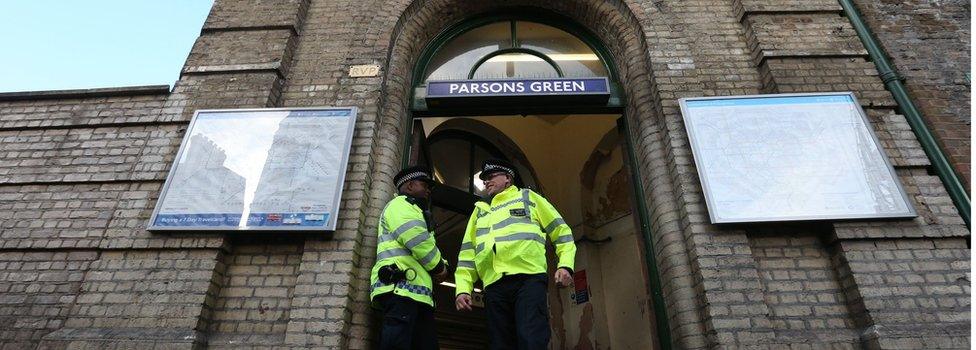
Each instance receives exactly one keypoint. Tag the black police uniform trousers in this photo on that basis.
(407, 324)
(518, 316)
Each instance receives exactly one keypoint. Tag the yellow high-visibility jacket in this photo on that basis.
(404, 241)
(509, 236)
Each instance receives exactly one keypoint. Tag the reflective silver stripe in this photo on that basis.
(564, 239)
(466, 263)
(406, 226)
(386, 237)
(523, 199)
(429, 257)
(523, 236)
(555, 223)
(389, 253)
(467, 245)
(505, 204)
(528, 204)
(481, 246)
(510, 221)
(481, 232)
(413, 243)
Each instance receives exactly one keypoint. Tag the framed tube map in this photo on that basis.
(791, 157)
(258, 169)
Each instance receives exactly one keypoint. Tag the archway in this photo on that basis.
(420, 23)
(556, 49)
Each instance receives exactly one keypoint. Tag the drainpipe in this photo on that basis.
(894, 84)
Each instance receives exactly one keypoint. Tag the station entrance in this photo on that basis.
(540, 91)
(578, 162)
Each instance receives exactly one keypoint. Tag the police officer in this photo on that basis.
(406, 257)
(504, 246)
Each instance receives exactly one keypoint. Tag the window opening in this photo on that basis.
(514, 49)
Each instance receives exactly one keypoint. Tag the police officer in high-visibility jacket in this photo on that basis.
(406, 258)
(504, 246)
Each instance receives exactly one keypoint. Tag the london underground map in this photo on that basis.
(275, 169)
(790, 157)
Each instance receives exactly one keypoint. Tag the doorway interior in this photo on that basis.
(579, 163)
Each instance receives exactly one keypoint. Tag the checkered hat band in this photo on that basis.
(492, 167)
(411, 176)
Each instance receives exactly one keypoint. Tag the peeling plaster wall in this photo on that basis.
(619, 295)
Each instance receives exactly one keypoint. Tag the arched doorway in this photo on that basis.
(557, 140)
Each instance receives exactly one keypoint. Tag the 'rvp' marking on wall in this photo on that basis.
(366, 70)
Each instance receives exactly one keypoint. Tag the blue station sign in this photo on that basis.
(518, 87)
(529, 91)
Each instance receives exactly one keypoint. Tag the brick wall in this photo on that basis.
(85, 107)
(826, 74)
(37, 291)
(929, 45)
(80, 172)
(108, 153)
(801, 287)
(914, 293)
(137, 297)
(253, 304)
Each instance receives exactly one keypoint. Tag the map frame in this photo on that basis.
(331, 222)
(710, 201)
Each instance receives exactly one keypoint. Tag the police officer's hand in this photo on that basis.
(441, 277)
(562, 277)
(463, 302)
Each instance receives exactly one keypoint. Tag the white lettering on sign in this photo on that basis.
(486, 88)
(514, 87)
(366, 70)
(557, 86)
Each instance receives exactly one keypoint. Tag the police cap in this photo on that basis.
(492, 166)
(417, 172)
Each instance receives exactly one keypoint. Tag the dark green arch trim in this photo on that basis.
(528, 14)
(474, 68)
